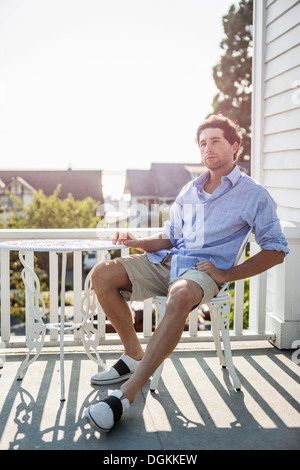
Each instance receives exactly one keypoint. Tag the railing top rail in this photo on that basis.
(88, 233)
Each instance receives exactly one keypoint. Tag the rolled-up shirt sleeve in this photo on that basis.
(266, 225)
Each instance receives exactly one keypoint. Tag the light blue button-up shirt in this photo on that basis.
(213, 229)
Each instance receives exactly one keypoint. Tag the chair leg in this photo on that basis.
(160, 306)
(156, 377)
(221, 308)
(228, 356)
(216, 333)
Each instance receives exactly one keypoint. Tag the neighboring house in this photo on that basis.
(17, 187)
(153, 191)
(161, 184)
(275, 158)
(24, 184)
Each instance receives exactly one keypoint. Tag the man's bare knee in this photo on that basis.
(184, 296)
(100, 272)
(109, 275)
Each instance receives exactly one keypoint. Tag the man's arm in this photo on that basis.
(256, 264)
(151, 244)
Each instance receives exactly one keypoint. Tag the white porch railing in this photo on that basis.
(257, 307)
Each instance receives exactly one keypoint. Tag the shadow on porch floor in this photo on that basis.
(195, 407)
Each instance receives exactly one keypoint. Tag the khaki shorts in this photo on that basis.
(149, 279)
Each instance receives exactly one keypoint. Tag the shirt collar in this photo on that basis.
(233, 177)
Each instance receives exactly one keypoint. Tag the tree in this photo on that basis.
(52, 212)
(233, 74)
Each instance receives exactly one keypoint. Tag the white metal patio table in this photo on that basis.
(35, 336)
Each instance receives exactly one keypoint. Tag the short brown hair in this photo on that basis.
(230, 129)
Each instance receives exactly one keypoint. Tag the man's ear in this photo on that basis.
(235, 147)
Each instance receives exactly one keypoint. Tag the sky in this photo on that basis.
(105, 84)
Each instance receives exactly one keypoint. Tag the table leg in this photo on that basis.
(35, 334)
(62, 325)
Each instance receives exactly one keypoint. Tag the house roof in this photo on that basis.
(163, 180)
(81, 184)
(172, 177)
(22, 182)
(141, 183)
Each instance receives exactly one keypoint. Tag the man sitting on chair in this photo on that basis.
(187, 262)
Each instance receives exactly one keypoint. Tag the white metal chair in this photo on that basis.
(219, 308)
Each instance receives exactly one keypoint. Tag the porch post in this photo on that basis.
(284, 319)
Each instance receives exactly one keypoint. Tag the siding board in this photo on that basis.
(282, 63)
(282, 141)
(283, 82)
(286, 198)
(283, 178)
(289, 120)
(289, 160)
(281, 103)
(283, 43)
(277, 9)
(284, 23)
(288, 213)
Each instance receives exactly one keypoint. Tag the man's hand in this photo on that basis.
(125, 238)
(209, 268)
(254, 265)
(151, 244)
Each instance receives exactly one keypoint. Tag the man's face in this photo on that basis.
(216, 152)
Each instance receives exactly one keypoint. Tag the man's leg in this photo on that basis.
(183, 297)
(107, 280)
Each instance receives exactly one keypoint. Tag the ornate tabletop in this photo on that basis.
(59, 245)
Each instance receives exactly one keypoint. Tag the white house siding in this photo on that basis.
(275, 156)
(281, 125)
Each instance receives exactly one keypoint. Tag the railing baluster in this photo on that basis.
(101, 322)
(101, 256)
(77, 288)
(125, 252)
(239, 289)
(53, 286)
(29, 259)
(257, 298)
(147, 318)
(193, 322)
(5, 296)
